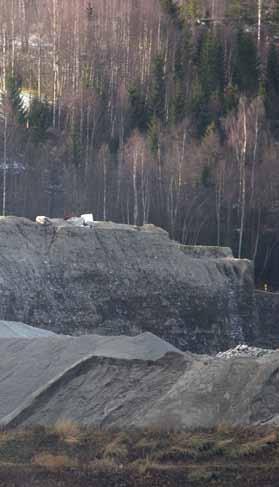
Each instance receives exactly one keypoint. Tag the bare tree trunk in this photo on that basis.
(253, 171)
(144, 194)
(55, 64)
(171, 205)
(105, 188)
(24, 30)
(13, 37)
(5, 165)
(159, 33)
(219, 196)
(87, 146)
(4, 58)
(135, 189)
(258, 235)
(40, 71)
(259, 22)
(243, 182)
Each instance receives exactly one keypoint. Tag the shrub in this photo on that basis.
(55, 462)
(67, 430)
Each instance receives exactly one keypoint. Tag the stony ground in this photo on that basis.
(67, 455)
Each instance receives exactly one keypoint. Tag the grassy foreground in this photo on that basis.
(68, 455)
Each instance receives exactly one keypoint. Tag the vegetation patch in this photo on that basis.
(74, 456)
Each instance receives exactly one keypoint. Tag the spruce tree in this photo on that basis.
(158, 89)
(182, 55)
(246, 72)
(192, 10)
(272, 87)
(153, 135)
(178, 104)
(173, 10)
(211, 64)
(241, 11)
(200, 108)
(15, 101)
(76, 146)
(231, 98)
(138, 111)
(40, 119)
(208, 91)
(275, 12)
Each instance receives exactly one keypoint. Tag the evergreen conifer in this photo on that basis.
(158, 89)
(246, 71)
(272, 87)
(139, 115)
(39, 118)
(15, 101)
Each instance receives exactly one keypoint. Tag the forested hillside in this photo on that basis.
(146, 111)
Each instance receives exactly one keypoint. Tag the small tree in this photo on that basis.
(15, 101)
(246, 65)
(158, 88)
(40, 119)
(272, 87)
(139, 115)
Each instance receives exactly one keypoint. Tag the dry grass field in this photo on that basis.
(69, 456)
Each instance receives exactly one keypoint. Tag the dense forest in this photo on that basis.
(146, 111)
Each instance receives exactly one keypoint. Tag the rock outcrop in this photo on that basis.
(267, 308)
(132, 381)
(116, 279)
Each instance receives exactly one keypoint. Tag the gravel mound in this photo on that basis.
(137, 381)
(9, 329)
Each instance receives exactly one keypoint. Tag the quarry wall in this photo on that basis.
(117, 279)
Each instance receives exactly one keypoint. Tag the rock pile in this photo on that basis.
(244, 351)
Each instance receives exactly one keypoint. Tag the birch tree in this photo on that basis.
(237, 132)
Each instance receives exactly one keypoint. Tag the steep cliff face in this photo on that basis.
(267, 309)
(116, 279)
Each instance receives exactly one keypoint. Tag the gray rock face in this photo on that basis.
(199, 251)
(116, 279)
(267, 307)
(125, 381)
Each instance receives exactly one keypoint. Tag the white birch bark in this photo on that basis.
(259, 22)
(4, 58)
(243, 181)
(135, 189)
(54, 61)
(5, 165)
